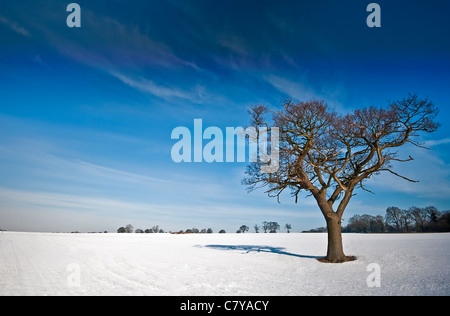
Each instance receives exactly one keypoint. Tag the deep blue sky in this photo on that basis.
(86, 113)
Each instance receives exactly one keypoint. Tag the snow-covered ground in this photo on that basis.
(221, 264)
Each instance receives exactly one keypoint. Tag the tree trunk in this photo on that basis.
(335, 251)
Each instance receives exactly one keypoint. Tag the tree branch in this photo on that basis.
(398, 175)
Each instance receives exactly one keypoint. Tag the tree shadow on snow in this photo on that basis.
(255, 248)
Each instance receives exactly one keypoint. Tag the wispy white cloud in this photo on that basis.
(73, 202)
(296, 90)
(15, 26)
(57, 211)
(236, 44)
(427, 167)
(148, 86)
(58, 188)
(437, 142)
(113, 174)
(51, 211)
(300, 89)
(106, 41)
(45, 162)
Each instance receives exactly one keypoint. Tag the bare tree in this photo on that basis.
(329, 155)
(394, 218)
(273, 227)
(256, 227)
(432, 215)
(243, 228)
(265, 226)
(129, 229)
(288, 227)
(365, 224)
(407, 220)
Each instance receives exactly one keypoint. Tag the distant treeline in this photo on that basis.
(156, 229)
(396, 220)
(271, 227)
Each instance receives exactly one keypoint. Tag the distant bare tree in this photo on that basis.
(394, 218)
(265, 226)
(243, 228)
(273, 227)
(129, 229)
(365, 224)
(288, 227)
(407, 220)
(329, 156)
(418, 216)
(432, 215)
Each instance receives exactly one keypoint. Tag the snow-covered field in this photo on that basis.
(220, 264)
